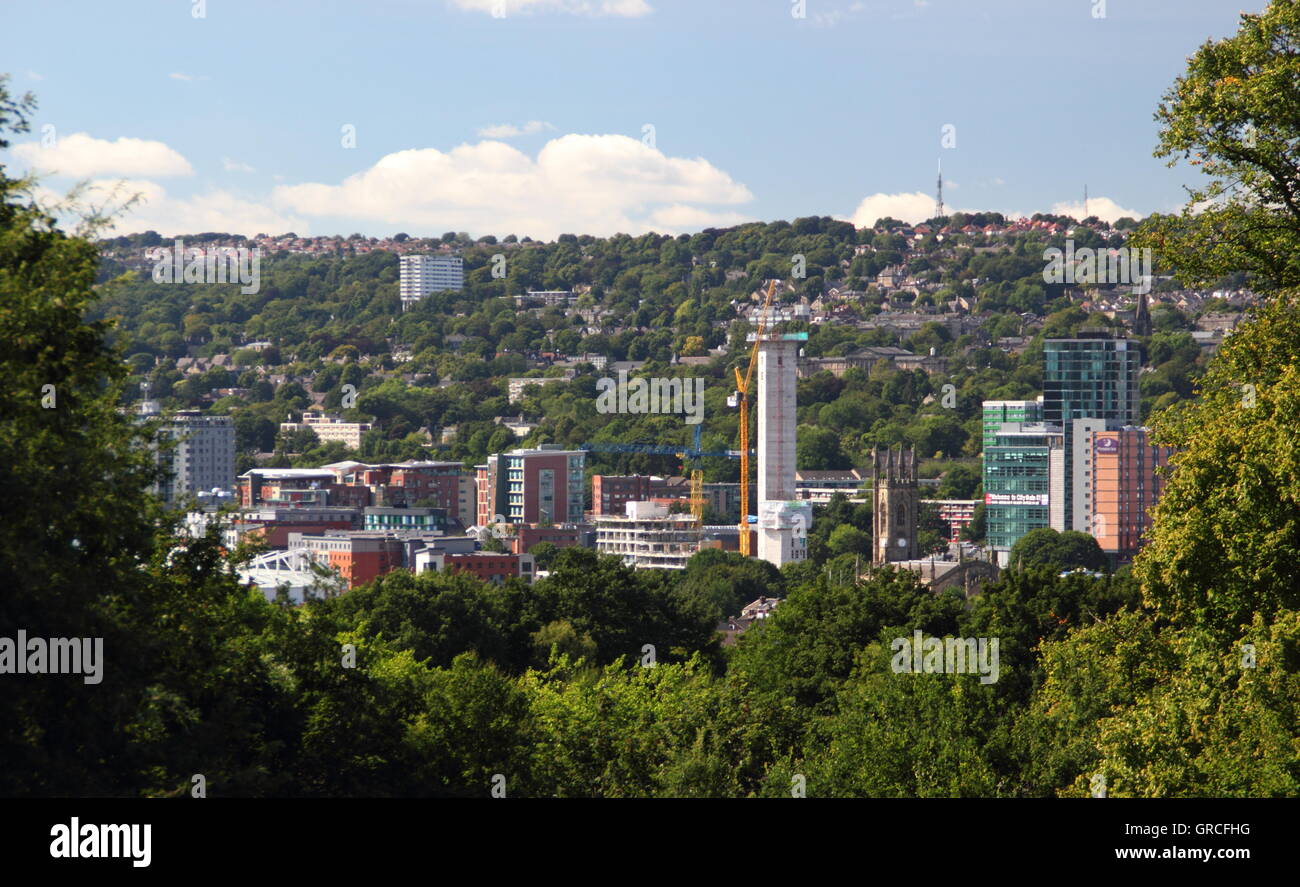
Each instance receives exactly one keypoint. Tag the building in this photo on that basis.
(957, 513)
(202, 460)
(563, 536)
(783, 521)
(610, 493)
(379, 517)
(1000, 412)
(539, 486)
(546, 299)
(445, 485)
(1093, 376)
(357, 557)
(330, 428)
(422, 275)
(493, 567)
(1125, 486)
(896, 505)
(515, 387)
(648, 537)
(820, 486)
(273, 524)
(1021, 466)
(866, 358)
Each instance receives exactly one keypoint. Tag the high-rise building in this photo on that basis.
(999, 412)
(1020, 467)
(540, 486)
(1092, 376)
(783, 521)
(422, 275)
(1125, 486)
(203, 458)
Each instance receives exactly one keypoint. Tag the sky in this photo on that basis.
(543, 117)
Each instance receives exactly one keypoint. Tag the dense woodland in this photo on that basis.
(1180, 677)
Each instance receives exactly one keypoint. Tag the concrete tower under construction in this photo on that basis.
(782, 521)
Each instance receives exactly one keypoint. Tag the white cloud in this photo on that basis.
(589, 184)
(625, 8)
(912, 208)
(235, 166)
(1102, 207)
(509, 130)
(188, 78)
(34, 76)
(170, 216)
(80, 155)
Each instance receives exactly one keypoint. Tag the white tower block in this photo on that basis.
(782, 522)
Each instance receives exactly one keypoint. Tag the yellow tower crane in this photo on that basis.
(742, 397)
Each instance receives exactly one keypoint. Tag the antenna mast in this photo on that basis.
(939, 201)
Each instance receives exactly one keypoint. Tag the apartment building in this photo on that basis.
(203, 458)
(648, 537)
(422, 275)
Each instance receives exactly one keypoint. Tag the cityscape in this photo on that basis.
(363, 445)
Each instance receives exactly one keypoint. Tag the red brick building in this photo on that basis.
(359, 558)
(611, 492)
(491, 566)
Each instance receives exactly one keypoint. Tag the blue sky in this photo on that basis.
(535, 123)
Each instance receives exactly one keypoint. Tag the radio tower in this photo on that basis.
(1085, 201)
(939, 200)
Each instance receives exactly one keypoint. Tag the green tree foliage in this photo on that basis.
(1063, 551)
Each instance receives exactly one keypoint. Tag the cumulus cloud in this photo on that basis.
(509, 130)
(592, 184)
(912, 208)
(625, 8)
(235, 166)
(156, 210)
(81, 156)
(1102, 207)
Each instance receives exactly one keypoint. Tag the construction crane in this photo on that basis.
(741, 399)
(689, 455)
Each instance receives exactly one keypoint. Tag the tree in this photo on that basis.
(1046, 547)
(1230, 115)
(544, 554)
(846, 539)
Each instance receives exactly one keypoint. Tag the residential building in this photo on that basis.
(820, 486)
(610, 493)
(203, 458)
(330, 428)
(648, 537)
(422, 275)
(538, 486)
(515, 387)
(958, 514)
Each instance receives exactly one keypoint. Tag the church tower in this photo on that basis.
(896, 505)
